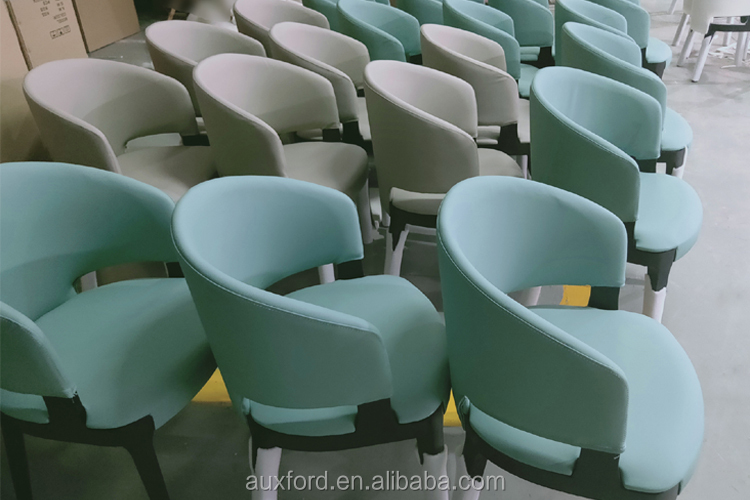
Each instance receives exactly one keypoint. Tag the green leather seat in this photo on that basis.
(388, 33)
(608, 54)
(600, 132)
(595, 402)
(495, 25)
(108, 365)
(341, 365)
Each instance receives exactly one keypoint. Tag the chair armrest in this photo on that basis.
(638, 19)
(425, 11)
(28, 362)
(327, 8)
(402, 26)
(585, 392)
(533, 23)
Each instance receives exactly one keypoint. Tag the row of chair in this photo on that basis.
(589, 400)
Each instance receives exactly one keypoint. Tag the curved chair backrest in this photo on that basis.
(586, 129)
(337, 57)
(388, 33)
(328, 8)
(488, 22)
(638, 19)
(57, 223)
(480, 62)
(248, 100)
(425, 11)
(177, 46)
(604, 53)
(703, 11)
(533, 22)
(509, 362)
(88, 109)
(255, 18)
(272, 349)
(423, 140)
(585, 12)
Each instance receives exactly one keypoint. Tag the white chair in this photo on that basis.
(247, 101)
(338, 58)
(176, 47)
(686, 6)
(702, 14)
(255, 18)
(424, 143)
(503, 116)
(88, 110)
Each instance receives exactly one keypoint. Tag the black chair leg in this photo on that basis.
(15, 449)
(476, 462)
(141, 449)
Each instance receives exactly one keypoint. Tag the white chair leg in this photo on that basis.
(739, 54)
(88, 281)
(687, 48)
(653, 302)
(266, 470)
(530, 296)
(436, 466)
(394, 267)
(702, 56)
(326, 274)
(365, 214)
(464, 487)
(672, 7)
(525, 166)
(680, 29)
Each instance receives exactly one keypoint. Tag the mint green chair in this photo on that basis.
(611, 55)
(585, 12)
(600, 403)
(656, 54)
(388, 32)
(589, 135)
(534, 27)
(106, 366)
(328, 8)
(347, 364)
(425, 11)
(495, 25)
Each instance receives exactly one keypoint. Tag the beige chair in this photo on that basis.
(176, 47)
(255, 18)
(88, 110)
(248, 101)
(424, 143)
(338, 58)
(503, 116)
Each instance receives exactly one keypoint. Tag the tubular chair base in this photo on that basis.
(545, 58)
(674, 160)
(397, 234)
(68, 424)
(596, 474)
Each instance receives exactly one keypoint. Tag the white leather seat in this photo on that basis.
(424, 143)
(337, 57)
(87, 111)
(177, 46)
(481, 62)
(247, 101)
(255, 18)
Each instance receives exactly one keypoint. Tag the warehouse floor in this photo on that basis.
(203, 451)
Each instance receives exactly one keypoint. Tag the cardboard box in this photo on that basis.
(19, 137)
(47, 30)
(106, 21)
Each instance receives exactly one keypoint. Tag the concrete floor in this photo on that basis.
(203, 450)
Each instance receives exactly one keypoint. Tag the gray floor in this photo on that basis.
(203, 450)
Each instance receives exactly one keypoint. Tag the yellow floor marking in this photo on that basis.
(216, 392)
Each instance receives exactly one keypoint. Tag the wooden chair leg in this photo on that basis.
(15, 449)
(141, 449)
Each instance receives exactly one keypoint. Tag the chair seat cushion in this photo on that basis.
(491, 162)
(677, 133)
(331, 164)
(670, 215)
(363, 119)
(665, 407)
(524, 83)
(413, 335)
(173, 169)
(133, 348)
(658, 52)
